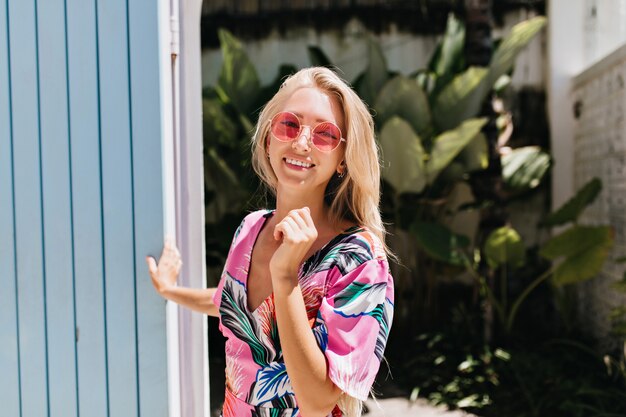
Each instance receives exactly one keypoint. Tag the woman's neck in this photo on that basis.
(287, 201)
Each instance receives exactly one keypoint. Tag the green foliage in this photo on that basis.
(403, 97)
(524, 168)
(464, 96)
(439, 242)
(318, 58)
(571, 210)
(400, 144)
(505, 246)
(582, 251)
(238, 80)
(449, 144)
(375, 74)
(551, 377)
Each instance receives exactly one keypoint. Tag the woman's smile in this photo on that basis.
(297, 164)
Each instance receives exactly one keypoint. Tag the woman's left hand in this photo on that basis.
(298, 233)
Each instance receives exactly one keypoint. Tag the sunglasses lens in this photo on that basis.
(285, 126)
(326, 136)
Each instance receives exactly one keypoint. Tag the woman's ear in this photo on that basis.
(341, 169)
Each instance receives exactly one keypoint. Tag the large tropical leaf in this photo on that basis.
(475, 156)
(439, 242)
(570, 211)
(238, 80)
(461, 99)
(448, 57)
(505, 246)
(403, 157)
(448, 145)
(511, 45)
(403, 97)
(524, 168)
(375, 74)
(318, 58)
(582, 251)
(217, 127)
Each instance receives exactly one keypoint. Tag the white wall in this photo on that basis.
(347, 48)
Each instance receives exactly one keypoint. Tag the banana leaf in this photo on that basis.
(449, 144)
(524, 168)
(238, 81)
(403, 157)
(439, 242)
(318, 58)
(570, 211)
(463, 97)
(402, 96)
(582, 251)
(375, 74)
(505, 246)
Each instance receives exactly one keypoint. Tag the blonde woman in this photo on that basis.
(305, 299)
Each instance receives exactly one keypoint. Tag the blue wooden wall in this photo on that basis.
(82, 333)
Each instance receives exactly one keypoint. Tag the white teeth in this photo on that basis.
(298, 163)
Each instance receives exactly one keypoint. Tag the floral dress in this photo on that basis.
(348, 294)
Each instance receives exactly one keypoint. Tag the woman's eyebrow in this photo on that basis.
(301, 116)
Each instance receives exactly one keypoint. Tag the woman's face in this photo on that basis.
(298, 163)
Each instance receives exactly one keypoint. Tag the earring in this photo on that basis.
(341, 173)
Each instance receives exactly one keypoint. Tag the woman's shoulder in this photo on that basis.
(249, 222)
(367, 239)
(347, 251)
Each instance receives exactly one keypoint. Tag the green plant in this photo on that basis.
(577, 253)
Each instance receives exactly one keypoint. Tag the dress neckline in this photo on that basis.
(258, 227)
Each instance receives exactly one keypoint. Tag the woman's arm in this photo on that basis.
(305, 362)
(197, 299)
(164, 276)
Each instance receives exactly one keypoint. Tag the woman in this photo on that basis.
(306, 299)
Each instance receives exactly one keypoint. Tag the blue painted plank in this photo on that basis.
(9, 362)
(87, 209)
(28, 221)
(148, 188)
(117, 208)
(57, 216)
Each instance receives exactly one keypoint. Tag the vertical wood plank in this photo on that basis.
(146, 64)
(117, 207)
(87, 208)
(57, 227)
(146, 68)
(28, 221)
(9, 362)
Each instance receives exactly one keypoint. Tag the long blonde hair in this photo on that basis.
(356, 196)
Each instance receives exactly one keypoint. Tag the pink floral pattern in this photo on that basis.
(348, 294)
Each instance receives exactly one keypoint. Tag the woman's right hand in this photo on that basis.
(165, 273)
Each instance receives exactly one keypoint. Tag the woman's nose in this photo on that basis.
(303, 141)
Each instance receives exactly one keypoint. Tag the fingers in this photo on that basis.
(152, 265)
(296, 227)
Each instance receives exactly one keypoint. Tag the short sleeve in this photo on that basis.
(353, 324)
